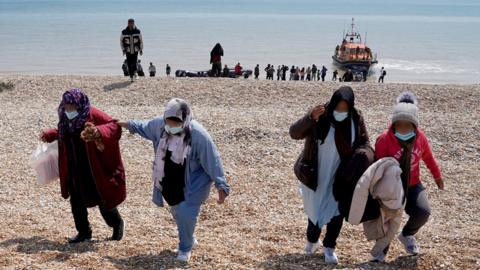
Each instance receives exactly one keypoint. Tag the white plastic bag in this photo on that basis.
(44, 161)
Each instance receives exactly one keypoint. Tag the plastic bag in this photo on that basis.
(44, 161)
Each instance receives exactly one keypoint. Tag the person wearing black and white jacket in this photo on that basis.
(131, 43)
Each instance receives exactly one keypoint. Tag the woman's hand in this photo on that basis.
(90, 133)
(440, 184)
(121, 123)
(317, 112)
(221, 196)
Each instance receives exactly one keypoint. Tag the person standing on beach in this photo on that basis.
(302, 74)
(297, 74)
(257, 71)
(90, 164)
(279, 72)
(314, 72)
(186, 164)
(348, 76)
(383, 73)
(309, 73)
(407, 143)
(168, 69)
(335, 74)
(284, 72)
(152, 70)
(271, 71)
(268, 72)
(324, 73)
(216, 60)
(131, 42)
(140, 69)
(332, 133)
(365, 75)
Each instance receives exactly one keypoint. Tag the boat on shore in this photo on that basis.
(353, 53)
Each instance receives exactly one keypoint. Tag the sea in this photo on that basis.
(417, 41)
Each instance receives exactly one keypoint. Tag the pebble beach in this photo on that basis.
(262, 224)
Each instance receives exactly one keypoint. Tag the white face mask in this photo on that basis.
(71, 115)
(173, 130)
(340, 116)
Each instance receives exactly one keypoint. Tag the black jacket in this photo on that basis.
(131, 41)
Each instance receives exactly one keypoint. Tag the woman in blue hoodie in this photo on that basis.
(186, 164)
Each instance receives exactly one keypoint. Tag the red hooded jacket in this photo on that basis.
(387, 145)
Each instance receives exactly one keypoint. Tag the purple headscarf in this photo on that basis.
(77, 98)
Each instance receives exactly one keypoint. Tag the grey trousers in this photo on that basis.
(417, 208)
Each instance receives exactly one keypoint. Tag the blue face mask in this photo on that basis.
(405, 137)
(71, 115)
(173, 130)
(340, 116)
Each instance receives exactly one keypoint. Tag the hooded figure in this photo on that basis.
(90, 164)
(216, 59)
(186, 165)
(332, 133)
(216, 53)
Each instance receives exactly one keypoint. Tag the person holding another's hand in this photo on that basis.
(90, 165)
(186, 164)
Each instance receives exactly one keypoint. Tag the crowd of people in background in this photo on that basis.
(131, 42)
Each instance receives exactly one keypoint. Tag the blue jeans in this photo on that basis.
(185, 216)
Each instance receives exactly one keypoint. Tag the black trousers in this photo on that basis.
(333, 231)
(80, 215)
(216, 69)
(132, 63)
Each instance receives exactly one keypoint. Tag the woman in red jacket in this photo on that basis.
(407, 143)
(91, 168)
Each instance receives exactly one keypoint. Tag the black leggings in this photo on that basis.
(333, 231)
(216, 69)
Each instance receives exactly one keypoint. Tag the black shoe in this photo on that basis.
(81, 237)
(118, 231)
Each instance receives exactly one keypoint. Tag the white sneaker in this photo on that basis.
(183, 256)
(330, 256)
(310, 248)
(410, 244)
(195, 242)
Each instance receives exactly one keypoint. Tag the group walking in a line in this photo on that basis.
(341, 176)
